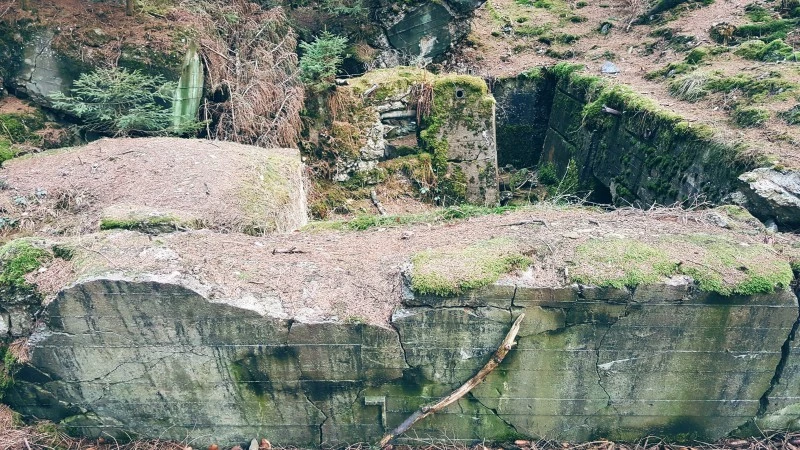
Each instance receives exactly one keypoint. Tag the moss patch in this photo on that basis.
(449, 272)
(450, 213)
(619, 263)
(19, 258)
(717, 264)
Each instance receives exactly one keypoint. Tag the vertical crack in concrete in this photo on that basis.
(321, 424)
(494, 411)
(610, 403)
(400, 341)
(786, 349)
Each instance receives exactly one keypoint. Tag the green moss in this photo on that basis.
(750, 117)
(774, 51)
(767, 31)
(720, 265)
(390, 83)
(449, 272)
(717, 264)
(696, 55)
(9, 367)
(671, 70)
(19, 129)
(19, 258)
(757, 13)
(151, 224)
(792, 116)
(448, 214)
(619, 263)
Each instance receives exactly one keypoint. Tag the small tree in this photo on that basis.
(320, 60)
(117, 102)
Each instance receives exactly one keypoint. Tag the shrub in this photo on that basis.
(750, 117)
(117, 102)
(320, 60)
(774, 51)
(792, 116)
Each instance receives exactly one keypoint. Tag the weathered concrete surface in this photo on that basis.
(523, 112)
(424, 30)
(158, 359)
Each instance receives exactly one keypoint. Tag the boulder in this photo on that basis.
(773, 194)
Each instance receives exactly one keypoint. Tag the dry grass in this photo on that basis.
(251, 65)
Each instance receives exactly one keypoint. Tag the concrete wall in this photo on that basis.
(159, 360)
(642, 155)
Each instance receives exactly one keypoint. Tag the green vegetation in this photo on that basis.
(19, 258)
(19, 129)
(696, 85)
(767, 31)
(726, 267)
(320, 59)
(716, 263)
(619, 263)
(792, 116)
(749, 117)
(117, 102)
(153, 225)
(696, 55)
(774, 51)
(447, 214)
(7, 370)
(757, 13)
(451, 271)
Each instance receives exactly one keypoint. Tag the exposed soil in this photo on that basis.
(67, 191)
(355, 275)
(509, 53)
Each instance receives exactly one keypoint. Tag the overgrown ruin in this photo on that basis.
(175, 288)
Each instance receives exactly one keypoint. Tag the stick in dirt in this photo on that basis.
(428, 410)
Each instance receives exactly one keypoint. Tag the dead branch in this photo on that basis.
(526, 222)
(290, 251)
(374, 196)
(428, 410)
(611, 111)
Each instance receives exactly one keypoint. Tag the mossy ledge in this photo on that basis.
(716, 264)
(451, 271)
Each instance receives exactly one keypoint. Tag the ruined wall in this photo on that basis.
(160, 360)
(616, 137)
(523, 112)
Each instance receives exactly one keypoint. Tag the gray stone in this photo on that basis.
(609, 68)
(773, 194)
(253, 445)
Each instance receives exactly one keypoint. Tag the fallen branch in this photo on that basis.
(526, 222)
(374, 196)
(428, 410)
(291, 251)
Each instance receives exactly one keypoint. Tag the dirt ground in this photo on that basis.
(67, 191)
(501, 53)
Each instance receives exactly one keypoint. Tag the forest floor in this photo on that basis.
(512, 36)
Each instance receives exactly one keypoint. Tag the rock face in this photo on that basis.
(773, 195)
(636, 155)
(159, 359)
(426, 30)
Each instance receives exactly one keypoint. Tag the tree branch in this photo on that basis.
(428, 410)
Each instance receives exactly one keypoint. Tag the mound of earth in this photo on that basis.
(155, 184)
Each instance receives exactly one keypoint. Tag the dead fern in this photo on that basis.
(251, 68)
